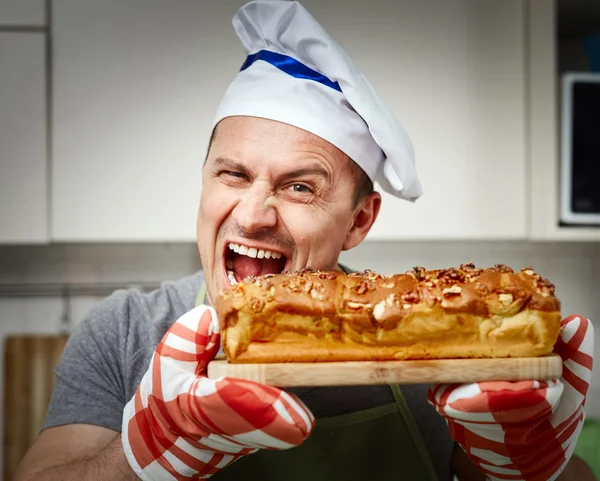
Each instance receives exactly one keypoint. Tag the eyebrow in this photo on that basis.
(224, 162)
(315, 170)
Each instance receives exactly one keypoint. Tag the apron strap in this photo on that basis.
(200, 298)
(413, 429)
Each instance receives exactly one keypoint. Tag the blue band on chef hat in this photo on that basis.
(290, 66)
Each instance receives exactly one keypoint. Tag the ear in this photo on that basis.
(364, 216)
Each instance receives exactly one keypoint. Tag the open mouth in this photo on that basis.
(243, 261)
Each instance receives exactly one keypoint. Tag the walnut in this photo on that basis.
(364, 286)
(451, 273)
(470, 272)
(256, 305)
(451, 276)
(392, 299)
(379, 310)
(419, 273)
(452, 290)
(388, 283)
(317, 292)
(295, 284)
(470, 276)
(357, 305)
(370, 275)
(505, 299)
(503, 268)
(327, 275)
(545, 288)
(481, 289)
(411, 296)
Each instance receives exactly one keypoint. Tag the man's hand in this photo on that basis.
(180, 424)
(524, 430)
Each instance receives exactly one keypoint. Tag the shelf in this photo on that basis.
(575, 234)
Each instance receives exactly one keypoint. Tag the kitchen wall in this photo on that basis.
(573, 267)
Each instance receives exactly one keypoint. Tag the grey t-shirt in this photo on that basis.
(110, 350)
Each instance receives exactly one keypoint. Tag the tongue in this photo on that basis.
(244, 266)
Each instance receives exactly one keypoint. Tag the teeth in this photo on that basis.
(231, 278)
(229, 264)
(252, 252)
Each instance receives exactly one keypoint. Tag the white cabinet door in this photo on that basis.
(137, 82)
(453, 72)
(23, 152)
(23, 13)
(136, 86)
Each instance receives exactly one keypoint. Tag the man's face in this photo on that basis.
(275, 198)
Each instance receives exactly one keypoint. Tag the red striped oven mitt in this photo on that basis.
(524, 430)
(180, 425)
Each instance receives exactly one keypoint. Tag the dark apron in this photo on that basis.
(377, 444)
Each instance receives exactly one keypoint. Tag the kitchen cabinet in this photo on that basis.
(23, 139)
(22, 13)
(453, 72)
(136, 84)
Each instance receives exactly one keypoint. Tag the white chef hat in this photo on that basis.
(296, 73)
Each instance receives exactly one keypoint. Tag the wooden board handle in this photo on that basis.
(438, 371)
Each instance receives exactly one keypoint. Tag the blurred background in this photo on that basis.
(105, 115)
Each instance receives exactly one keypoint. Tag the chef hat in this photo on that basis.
(296, 73)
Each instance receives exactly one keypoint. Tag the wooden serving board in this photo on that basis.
(392, 372)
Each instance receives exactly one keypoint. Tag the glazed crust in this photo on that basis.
(316, 316)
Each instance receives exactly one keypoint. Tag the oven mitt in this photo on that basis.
(524, 430)
(180, 425)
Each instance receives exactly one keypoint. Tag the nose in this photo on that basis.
(255, 211)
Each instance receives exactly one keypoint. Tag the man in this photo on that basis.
(288, 183)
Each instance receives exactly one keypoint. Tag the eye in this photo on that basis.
(232, 173)
(300, 188)
(232, 176)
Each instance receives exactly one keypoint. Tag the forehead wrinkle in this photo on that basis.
(278, 140)
(316, 169)
(295, 158)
